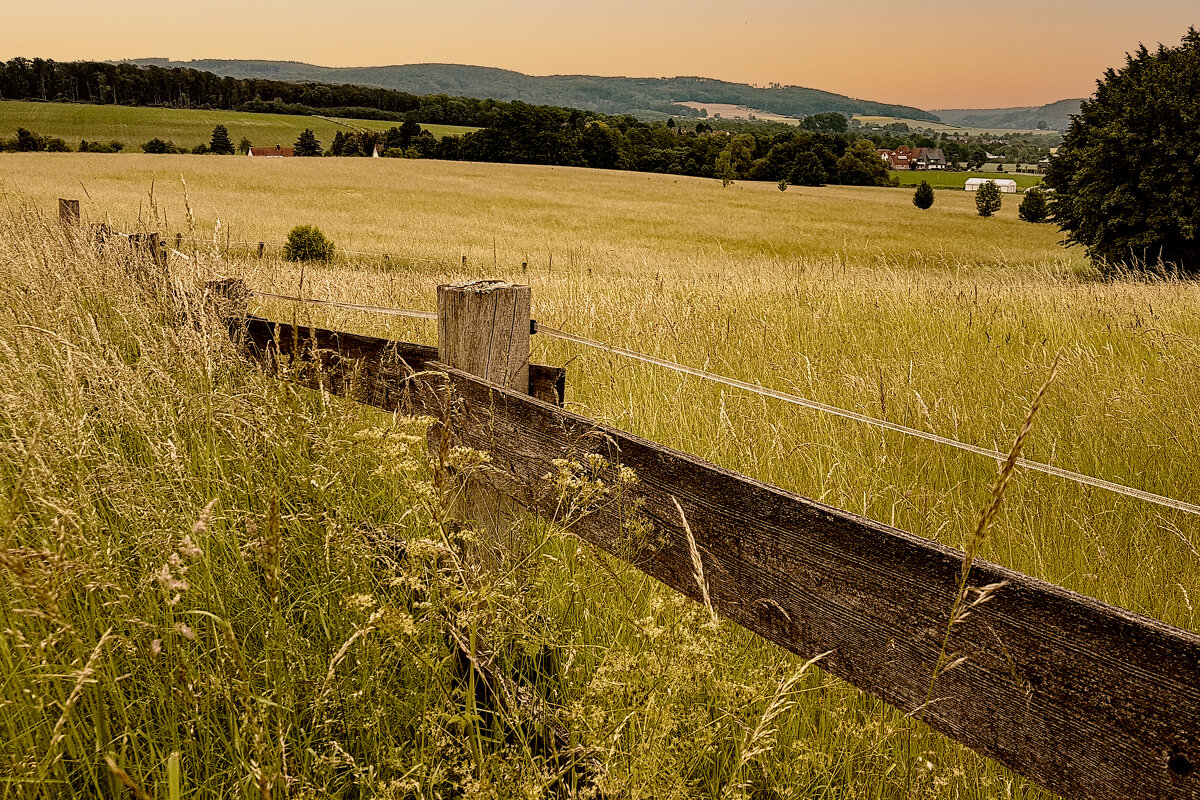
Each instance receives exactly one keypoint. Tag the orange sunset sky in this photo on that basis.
(931, 54)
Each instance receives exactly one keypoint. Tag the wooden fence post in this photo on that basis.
(484, 329)
(261, 247)
(68, 213)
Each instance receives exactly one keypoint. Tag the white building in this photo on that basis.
(1005, 185)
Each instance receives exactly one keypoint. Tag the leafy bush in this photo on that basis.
(157, 146)
(100, 147)
(308, 243)
(987, 199)
(1034, 207)
(1126, 178)
(923, 196)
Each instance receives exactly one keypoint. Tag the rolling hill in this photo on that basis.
(617, 95)
(1057, 116)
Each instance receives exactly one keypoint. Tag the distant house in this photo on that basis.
(905, 157)
(930, 158)
(1005, 185)
(894, 159)
(272, 152)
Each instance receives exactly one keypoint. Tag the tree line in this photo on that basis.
(179, 87)
(551, 136)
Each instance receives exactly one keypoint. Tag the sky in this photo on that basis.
(932, 54)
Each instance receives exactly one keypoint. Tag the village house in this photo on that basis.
(894, 159)
(919, 158)
(272, 152)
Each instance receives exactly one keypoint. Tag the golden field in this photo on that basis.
(939, 320)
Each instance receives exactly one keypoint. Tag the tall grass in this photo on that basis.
(950, 327)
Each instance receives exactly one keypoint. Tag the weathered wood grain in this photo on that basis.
(483, 329)
(371, 369)
(1088, 700)
(68, 213)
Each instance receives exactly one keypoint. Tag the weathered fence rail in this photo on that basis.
(1088, 700)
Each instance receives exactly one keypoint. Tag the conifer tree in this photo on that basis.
(220, 142)
(308, 144)
(923, 196)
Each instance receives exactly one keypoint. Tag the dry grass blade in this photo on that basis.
(961, 608)
(697, 564)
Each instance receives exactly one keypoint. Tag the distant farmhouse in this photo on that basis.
(272, 152)
(922, 158)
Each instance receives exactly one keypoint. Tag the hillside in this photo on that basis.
(1057, 116)
(183, 126)
(619, 95)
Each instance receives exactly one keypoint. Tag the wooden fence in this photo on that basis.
(1083, 698)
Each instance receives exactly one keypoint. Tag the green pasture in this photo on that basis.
(958, 180)
(133, 125)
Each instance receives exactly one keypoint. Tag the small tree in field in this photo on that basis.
(244, 146)
(307, 243)
(923, 196)
(220, 142)
(308, 144)
(987, 199)
(783, 184)
(1034, 207)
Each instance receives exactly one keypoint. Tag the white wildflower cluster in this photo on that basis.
(582, 486)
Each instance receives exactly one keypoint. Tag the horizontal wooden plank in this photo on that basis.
(1088, 700)
(375, 366)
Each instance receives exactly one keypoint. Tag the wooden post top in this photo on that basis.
(483, 329)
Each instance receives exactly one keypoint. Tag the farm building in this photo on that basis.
(1005, 185)
(922, 158)
(276, 151)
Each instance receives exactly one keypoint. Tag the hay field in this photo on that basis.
(134, 125)
(939, 320)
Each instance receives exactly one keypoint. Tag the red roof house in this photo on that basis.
(276, 151)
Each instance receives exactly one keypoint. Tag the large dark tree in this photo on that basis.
(1126, 180)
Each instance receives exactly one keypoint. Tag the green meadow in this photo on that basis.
(134, 125)
(939, 179)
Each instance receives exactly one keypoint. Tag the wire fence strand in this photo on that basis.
(803, 402)
(1036, 466)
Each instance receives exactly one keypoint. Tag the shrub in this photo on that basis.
(158, 146)
(783, 184)
(29, 142)
(923, 196)
(307, 243)
(1034, 207)
(987, 199)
